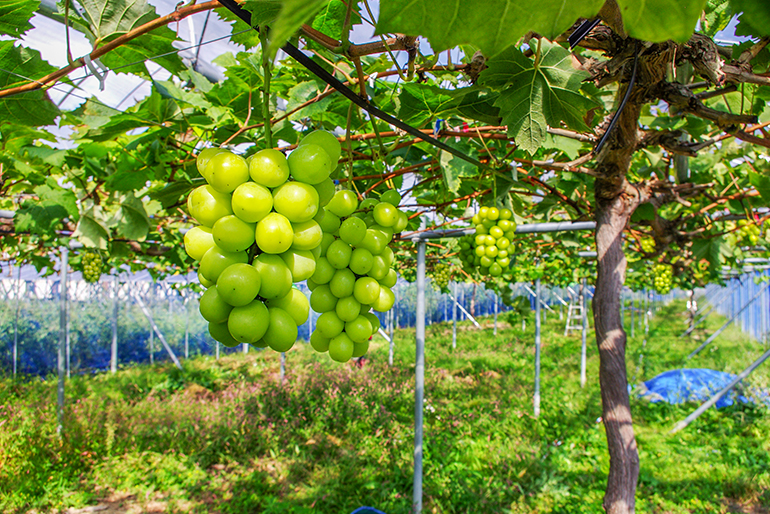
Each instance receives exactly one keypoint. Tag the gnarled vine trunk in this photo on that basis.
(616, 200)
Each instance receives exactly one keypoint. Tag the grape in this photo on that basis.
(281, 331)
(295, 303)
(359, 329)
(441, 275)
(226, 171)
(197, 241)
(297, 201)
(249, 322)
(207, 205)
(385, 300)
(276, 281)
(339, 253)
(322, 299)
(352, 230)
(366, 290)
(310, 164)
(203, 159)
(274, 233)
(325, 140)
(343, 204)
(385, 214)
(269, 168)
(307, 235)
(391, 196)
(347, 308)
(374, 320)
(342, 283)
(361, 261)
(213, 307)
(360, 349)
(329, 324)
(319, 342)
(341, 348)
(216, 260)
(325, 191)
(239, 284)
(663, 278)
(220, 332)
(232, 234)
(251, 202)
(301, 264)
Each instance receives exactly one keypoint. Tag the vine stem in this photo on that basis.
(266, 88)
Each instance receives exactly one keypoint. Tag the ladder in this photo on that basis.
(574, 314)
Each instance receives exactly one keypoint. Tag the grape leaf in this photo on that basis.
(492, 25)
(421, 103)
(761, 183)
(91, 230)
(659, 20)
(15, 15)
(32, 108)
(331, 18)
(755, 20)
(132, 220)
(157, 44)
(43, 215)
(535, 95)
(293, 14)
(263, 12)
(104, 18)
(453, 168)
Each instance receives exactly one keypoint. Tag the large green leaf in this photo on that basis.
(331, 18)
(537, 94)
(91, 229)
(132, 220)
(492, 25)
(15, 15)
(421, 103)
(659, 20)
(263, 12)
(32, 108)
(755, 19)
(104, 18)
(43, 215)
(761, 183)
(131, 57)
(294, 13)
(453, 168)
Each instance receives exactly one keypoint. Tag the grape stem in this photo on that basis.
(266, 89)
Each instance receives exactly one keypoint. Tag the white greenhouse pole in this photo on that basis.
(583, 332)
(536, 399)
(114, 346)
(16, 321)
(63, 322)
(454, 318)
(155, 329)
(419, 372)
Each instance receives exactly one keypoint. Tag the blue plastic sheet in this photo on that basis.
(687, 385)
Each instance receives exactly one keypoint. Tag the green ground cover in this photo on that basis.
(226, 436)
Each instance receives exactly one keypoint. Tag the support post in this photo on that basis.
(633, 321)
(283, 366)
(454, 318)
(392, 321)
(186, 323)
(419, 369)
(63, 322)
(583, 333)
(495, 299)
(537, 349)
(16, 320)
(467, 314)
(114, 345)
(711, 401)
(157, 330)
(728, 322)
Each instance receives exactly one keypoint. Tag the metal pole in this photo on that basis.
(495, 299)
(16, 320)
(114, 346)
(62, 337)
(721, 329)
(157, 331)
(186, 324)
(700, 410)
(392, 321)
(283, 366)
(67, 328)
(584, 331)
(454, 318)
(245, 348)
(537, 349)
(632, 315)
(419, 371)
(217, 350)
(467, 314)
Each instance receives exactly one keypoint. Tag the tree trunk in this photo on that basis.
(616, 200)
(611, 219)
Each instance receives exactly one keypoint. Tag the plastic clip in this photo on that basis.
(100, 77)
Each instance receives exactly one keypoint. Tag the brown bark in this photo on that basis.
(616, 200)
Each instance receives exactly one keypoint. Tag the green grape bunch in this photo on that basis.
(441, 275)
(647, 244)
(354, 272)
(663, 278)
(258, 234)
(92, 266)
(493, 242)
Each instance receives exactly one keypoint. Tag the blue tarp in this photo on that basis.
(686, 385)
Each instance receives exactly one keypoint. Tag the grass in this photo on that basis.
(226, 436)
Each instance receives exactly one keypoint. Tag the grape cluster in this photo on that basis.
(647, 244)
(92, 266)
(441, 275)
(258, 235)
(663, 278)
(748, 233)
(354, 272)
(491, 247)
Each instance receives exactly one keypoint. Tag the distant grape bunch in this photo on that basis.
(354, 272)
(441, 276)
(92, 266)
(258, 235)
(663, 278)
(647, 244)
(748, 233)
(490, 248)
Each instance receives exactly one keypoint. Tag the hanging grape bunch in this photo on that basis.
(92, 266)
(441, 275)
(647, 244)
(258, 235)
(663, 278)
(354, 272)
(493, 242)
(748, 233)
